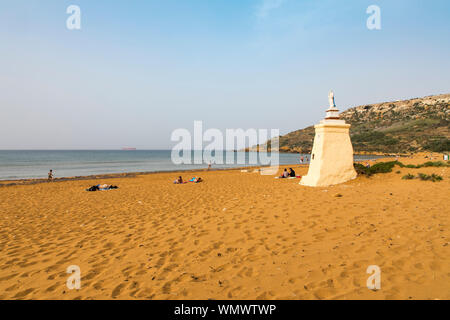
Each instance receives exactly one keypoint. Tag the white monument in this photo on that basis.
(332, 153)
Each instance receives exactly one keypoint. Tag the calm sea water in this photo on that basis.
(36, 164)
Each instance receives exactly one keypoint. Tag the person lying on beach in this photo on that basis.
(196, 180)
(102, 187)
(179, 180)
(291, 173)
(107, 187)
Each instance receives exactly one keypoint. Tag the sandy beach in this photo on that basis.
(237, 235)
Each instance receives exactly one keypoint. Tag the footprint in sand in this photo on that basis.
(53, 287)
(24, 293)
(117, 290)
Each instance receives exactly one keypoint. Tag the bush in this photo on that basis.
(385, 167)
(426, 164)
(436, 177)
(409, 176)
(435, 164)
(439, 145)
(382, 167)
(360, 169)
(433, 177)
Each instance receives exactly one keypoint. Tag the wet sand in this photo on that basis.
(235, 236)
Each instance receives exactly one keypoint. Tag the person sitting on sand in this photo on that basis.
(291, 173)
(179, 180)
(285, 174)
(50, 175)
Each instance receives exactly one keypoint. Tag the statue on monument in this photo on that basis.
(331, 100)
(332, 151)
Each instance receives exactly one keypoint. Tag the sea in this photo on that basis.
(35, 164)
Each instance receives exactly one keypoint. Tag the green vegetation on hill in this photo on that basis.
(421, 124)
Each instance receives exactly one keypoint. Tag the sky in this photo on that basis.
(138, 70)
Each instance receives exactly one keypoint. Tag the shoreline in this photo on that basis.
(8, 181)
(33, 181)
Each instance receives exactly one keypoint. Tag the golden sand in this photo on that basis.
(235, 236)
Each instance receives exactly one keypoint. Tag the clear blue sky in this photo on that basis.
(137, 70)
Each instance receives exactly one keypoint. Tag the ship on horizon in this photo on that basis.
(128, 149)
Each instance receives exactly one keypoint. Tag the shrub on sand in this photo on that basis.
(382, 167)
(435, 164)
(425, 177)
(385, 167)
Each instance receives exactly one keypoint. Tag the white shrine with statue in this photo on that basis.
(332, 153)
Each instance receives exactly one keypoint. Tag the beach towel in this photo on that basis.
(297, 177)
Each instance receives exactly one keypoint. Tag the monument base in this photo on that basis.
(332, 155)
